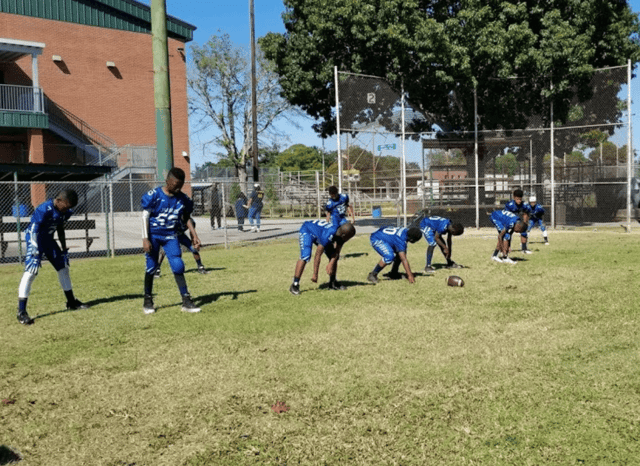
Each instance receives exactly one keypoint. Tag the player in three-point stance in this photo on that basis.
(535, 218)
(162, 210)
(391, 243)
(337, 207)
(329, 239)
(521, 208)
(187, 242)
(433, 228)
(506, 223)
(48, 218)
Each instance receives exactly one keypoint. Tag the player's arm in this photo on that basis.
(316, 262)
(192, 231)
(352, 212)
(405, 263)
(334, 256)
(146, 234)
(504, 244)
(446, 250)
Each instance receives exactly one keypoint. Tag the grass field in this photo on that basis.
(531, 364)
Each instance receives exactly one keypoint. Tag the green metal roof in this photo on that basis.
(126, 15)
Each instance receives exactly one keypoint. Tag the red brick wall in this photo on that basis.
(117, 102)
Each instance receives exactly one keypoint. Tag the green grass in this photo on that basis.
(531, 364)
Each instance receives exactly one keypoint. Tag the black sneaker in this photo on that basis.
(188, 306)
(148, 307)
(372, 278)
(157, 274)
(294, 289)
(76, 304)
(24, 318)
(202, 270)
(430, 269)
(336, 286)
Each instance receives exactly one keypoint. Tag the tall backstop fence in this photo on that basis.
(582, 170)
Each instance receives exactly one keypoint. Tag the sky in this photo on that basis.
(232, 17)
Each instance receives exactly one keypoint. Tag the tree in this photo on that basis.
(219, 84)
(300, 158)
(440, 51)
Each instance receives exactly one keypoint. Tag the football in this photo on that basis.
(454, 280)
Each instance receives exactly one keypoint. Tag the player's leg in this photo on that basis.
(187, 243)
(332, 268)
(428, 267)
(543, 228)
(305, 240)
(252, 213)
(151, 267)
(54, 254)
(523, 243)
(161, 256)
(32, 262)
(495, 257)
(258, 215)
(174, 256)
(388, 256)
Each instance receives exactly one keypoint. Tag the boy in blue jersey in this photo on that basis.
(506, 223)
(391, 243)
(329, 239)
(535, 218)
(48, 218)
(433, 228)
(163, 209)
(337, 207)
(185, 241)
(521, 208)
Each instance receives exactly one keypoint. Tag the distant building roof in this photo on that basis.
(126, 15)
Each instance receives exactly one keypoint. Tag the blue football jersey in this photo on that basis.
(321, 231)
(504, 220)
(396, 238)
(167, 212)
(537, 211)
(46, 219)
(432, 225)
(511, 206)
(338, 208)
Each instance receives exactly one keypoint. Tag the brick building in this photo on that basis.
(77, 90)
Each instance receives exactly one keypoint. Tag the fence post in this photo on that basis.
(318, 190)
(224, 218)
(15, 181)
(113, 230)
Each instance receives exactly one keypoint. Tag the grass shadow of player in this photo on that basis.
(345, 283)
(208, 269)
(353, 255)
(8, 456)
(92, 303)
(213, 297)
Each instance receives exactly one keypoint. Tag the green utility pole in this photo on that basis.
(162, 96)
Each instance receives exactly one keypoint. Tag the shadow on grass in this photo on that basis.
(354, 254)
(345, 283)
(208, 269)
(92, 303)
(213, 297)
(8, 456)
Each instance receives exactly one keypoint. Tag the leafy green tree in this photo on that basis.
(507, 164)
(300, 158)
(219, 84)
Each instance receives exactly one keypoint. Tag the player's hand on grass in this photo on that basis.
(411, 278)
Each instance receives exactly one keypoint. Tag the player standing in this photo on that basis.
(162, 210)
(337, 207)
(506, 223)
(519, 207)
(329, 239)
(537, 212)
(48, 218)
(391, 243)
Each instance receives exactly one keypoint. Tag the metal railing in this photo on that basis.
(15, 98)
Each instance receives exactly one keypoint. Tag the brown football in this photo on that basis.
(454, 280)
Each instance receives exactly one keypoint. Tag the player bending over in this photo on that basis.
(537, 212)
(48, 218)
(391, 243)
(329, 239)
(506, 223)
(522, 209)
(433, 228)
(184, 240)
(337, 207)
(162, 209)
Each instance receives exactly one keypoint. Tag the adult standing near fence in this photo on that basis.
(48, 218)
(241, 210)
(215, 210)
(255, 207)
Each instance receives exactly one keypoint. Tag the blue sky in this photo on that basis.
(232, 17)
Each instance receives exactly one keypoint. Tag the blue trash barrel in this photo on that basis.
(377, 211)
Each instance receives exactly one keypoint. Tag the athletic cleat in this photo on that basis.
(77, 304)
(202, 270)
(546, 243)
(496, 259)
(188, 306)
(430, 269)
(336, 286)
(148, 307)
(453, 265)
(526, 251)
(24, 318)
(157, 274)
(508, 260)
(294, 289)
(372, 278)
